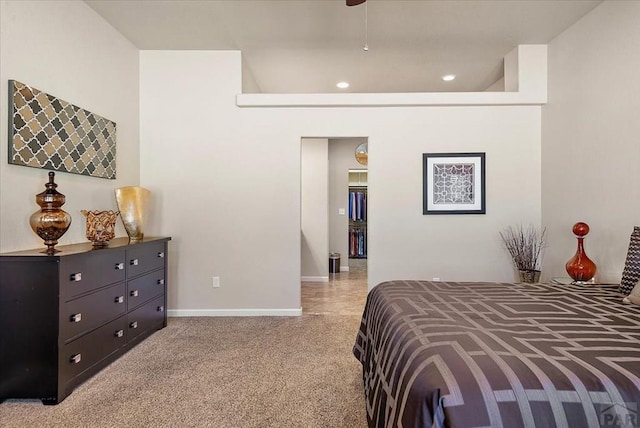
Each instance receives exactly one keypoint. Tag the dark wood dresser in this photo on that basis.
(64, 317)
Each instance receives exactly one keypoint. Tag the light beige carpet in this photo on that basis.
(220, 372)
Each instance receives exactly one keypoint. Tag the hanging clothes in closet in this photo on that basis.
(357, 222)
(358, 205)
(358, 241)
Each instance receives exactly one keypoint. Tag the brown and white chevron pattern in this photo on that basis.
(498, 355)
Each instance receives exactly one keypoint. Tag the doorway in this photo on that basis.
(333, 290)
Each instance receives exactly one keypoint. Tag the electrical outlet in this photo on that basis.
(435, 278)
(216, 281)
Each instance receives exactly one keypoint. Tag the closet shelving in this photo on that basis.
(357, 222)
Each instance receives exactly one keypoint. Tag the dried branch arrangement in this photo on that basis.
(525, 246)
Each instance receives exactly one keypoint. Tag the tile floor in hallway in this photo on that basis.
(344, 294)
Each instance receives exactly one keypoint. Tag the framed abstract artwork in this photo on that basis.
(453, 183)
(50, 133)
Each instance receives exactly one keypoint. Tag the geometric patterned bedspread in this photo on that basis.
(499, 355)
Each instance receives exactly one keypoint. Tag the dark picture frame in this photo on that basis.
(453, 183)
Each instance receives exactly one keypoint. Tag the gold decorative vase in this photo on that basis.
(51, 222)
(529, 276)
(101, 226)
(133, 203)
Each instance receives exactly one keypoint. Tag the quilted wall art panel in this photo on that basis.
(47, 132)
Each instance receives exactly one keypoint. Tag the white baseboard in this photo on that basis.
(234, 312)
(315, 278)
(344, 268)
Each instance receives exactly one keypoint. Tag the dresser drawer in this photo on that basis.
(144, 288)
(82, 273)
(66, 316)
(89, 312)
(79, 355)
(145, 257)
(150, 315)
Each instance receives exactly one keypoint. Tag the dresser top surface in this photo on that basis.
(83, 247)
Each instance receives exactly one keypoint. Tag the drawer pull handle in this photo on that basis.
(160, 308)
(119, 266)
(134, 262)
(161, 282)
(133, 324)
(161, 254)
(120, 299)
(75, 359)
(76, 277)
(76, 317)
(134, 293)
(119, 333)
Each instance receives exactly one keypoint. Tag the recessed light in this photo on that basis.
(448, 77)
(342, 85)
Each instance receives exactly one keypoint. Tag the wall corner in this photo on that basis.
(525, 71)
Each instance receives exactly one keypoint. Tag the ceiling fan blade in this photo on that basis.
(355, 2)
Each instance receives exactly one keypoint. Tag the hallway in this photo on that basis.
(344, 294)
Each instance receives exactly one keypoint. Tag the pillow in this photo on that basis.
(634, 296)
(631, 272)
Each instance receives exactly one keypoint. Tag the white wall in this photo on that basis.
(231, 186)
(341, 159)
(65, 49)
(314, 215)
(226, 179)
(591, 145)
(233, 176)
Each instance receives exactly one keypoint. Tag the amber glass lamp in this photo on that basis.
(581, 268)
(51, 222)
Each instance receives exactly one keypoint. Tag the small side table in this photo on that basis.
(569, 281)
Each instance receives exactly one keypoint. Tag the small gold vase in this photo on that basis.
(133, 203)
(101, 226)
(529, 276)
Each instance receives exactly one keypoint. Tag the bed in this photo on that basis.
(447, 354)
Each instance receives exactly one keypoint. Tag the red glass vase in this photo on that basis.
(581, 268)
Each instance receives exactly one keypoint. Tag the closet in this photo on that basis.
(357, 213)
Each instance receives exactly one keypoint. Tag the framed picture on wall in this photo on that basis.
(453, 183)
